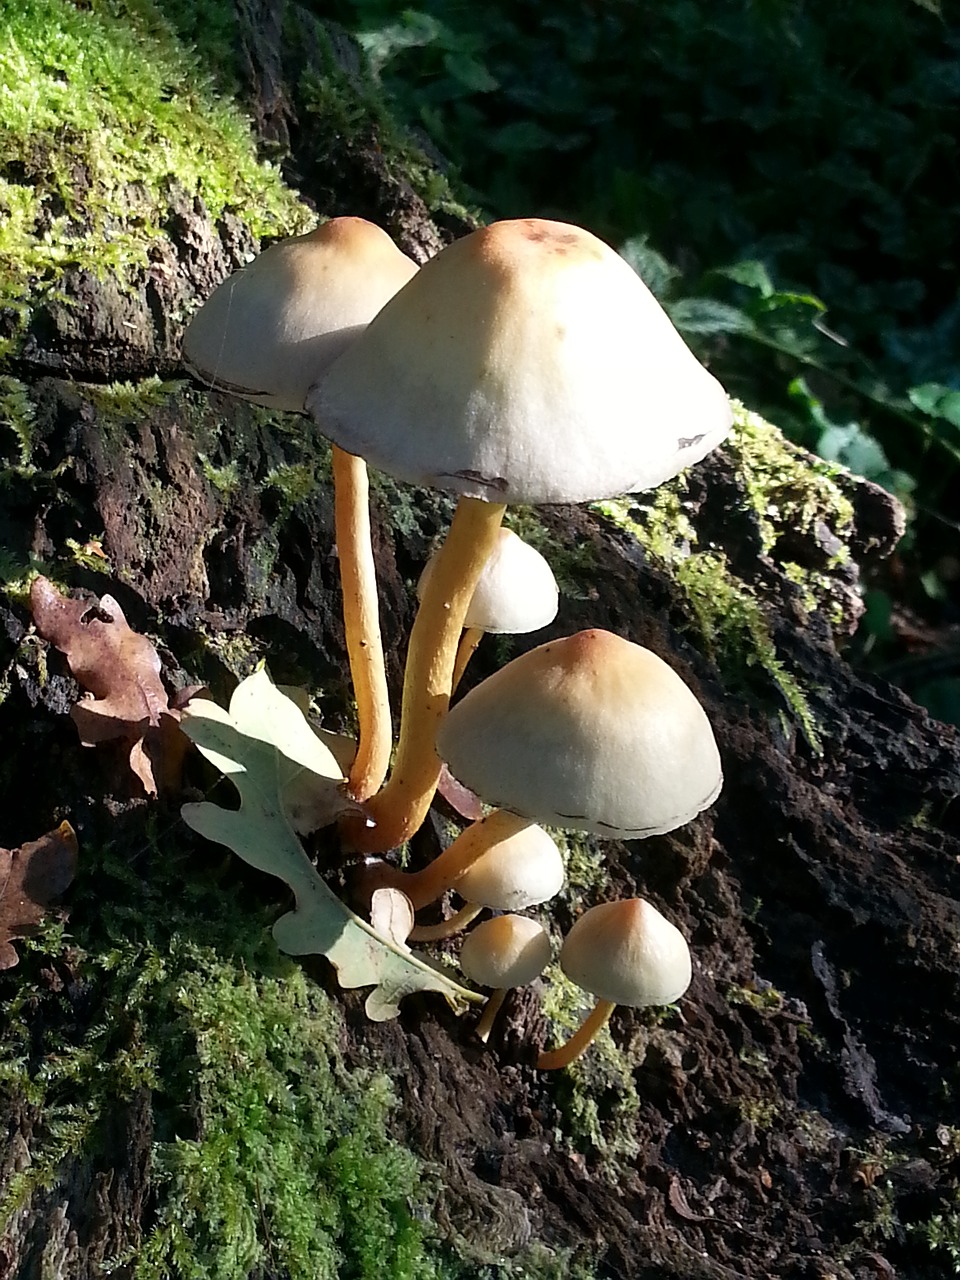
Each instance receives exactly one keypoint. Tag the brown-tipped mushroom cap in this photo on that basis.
(507, 951)
(591, 732)
(520, 871)
(526, 362)
(269, 330)
(627, 953)
(517, 591)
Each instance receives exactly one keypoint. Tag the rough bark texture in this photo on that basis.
(797, 1117)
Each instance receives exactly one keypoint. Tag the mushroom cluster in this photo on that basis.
(526, 363)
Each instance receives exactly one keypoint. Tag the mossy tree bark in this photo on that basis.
(797, 1117)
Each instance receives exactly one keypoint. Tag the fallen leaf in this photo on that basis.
(262, 744)
(460, 798)
(391, 915)
(30, 877)
(120, 670)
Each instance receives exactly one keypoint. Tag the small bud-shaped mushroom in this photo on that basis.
(623, 953)
(520, 871)
(507, 951)
(516, 593)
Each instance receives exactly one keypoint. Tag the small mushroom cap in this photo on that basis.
(517, 591)
(521, 871)
(269, 330)
(526, 362)
(591, 732)
(507, 951)
(628, 953)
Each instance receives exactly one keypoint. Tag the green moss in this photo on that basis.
(596, 1094)
(89, 555)
(225, 479)
(119, 402)
(236, 651)
(585, 866)
(734, 628)
(787, 487)
(294, 483)
(18, 415)
(413, 512)
(571, 559)
(729, 618)
(101, 110)
(761, 1112)
(268, 1149)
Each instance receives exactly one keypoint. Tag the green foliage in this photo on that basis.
(100, 110)
(941, 1234)
(772, 128)
(782, 176)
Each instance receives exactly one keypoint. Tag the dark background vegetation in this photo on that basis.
(785, 176)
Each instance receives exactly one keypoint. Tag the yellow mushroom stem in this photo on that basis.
(580, 1040)
(426, 886)
(361, 620)
(465, 651)
(490, 1011)
(400, 808)
(446, 928)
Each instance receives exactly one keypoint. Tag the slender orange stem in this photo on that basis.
(429, 884)
(361, 618)
(446, 928)
(400, 808)
(580, 1040)
(465, 651)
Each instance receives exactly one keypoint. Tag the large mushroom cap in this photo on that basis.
(526, 362)
(590, 732)
(628, 953)
(268, 331)
(517, 591)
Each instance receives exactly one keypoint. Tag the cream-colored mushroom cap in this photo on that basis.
(521, 871)
(269, 330)
(517, 591)
(628, 953)
(507, 951)
(526, 362)
(591, 732)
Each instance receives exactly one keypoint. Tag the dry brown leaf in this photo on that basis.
(460, 798)
(120, 670)
(30, 877)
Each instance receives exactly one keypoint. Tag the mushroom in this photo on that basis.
(505, 952)
(590, 732)
(526, 362)
(520, 871)
(516, 593)
(623, 953)
(266, 333)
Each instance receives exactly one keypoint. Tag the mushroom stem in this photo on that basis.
(361, 620)
(446, 928)
(400, 808)
(465, 651)
(580, 1040)
(489, 1015)
(429, 884)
